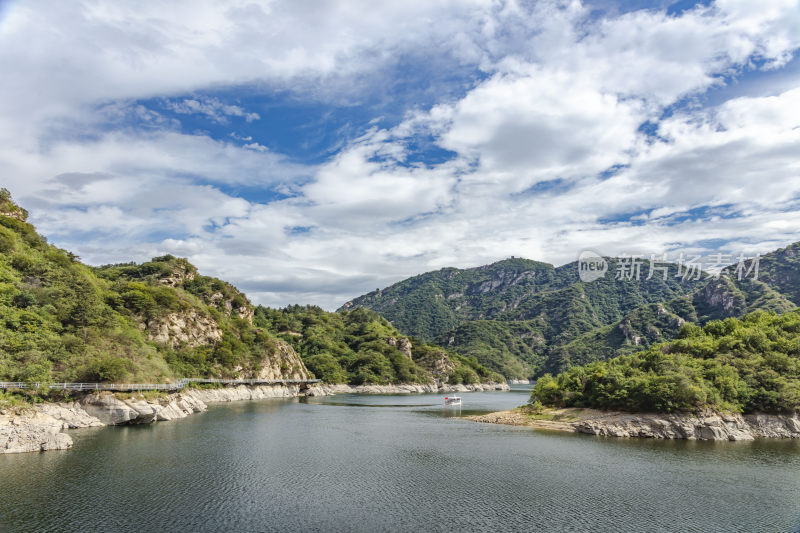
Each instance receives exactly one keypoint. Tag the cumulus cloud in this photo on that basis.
(575, 130)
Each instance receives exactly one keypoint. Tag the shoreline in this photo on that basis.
(40, 427)
(707, 425)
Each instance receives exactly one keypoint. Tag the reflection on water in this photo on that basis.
(376, 463)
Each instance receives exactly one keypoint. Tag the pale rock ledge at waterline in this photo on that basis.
(39, 428)
(707, 425)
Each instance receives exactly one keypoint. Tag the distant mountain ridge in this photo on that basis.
(523, 318)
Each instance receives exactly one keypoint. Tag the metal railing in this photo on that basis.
(178, 385)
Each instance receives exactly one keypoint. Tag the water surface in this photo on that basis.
(400, 463)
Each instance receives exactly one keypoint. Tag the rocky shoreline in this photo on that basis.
(708, 425)
(40, 427)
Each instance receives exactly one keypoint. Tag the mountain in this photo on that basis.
(523, 318)
(360, 346)
(436, 302)
(61, 320)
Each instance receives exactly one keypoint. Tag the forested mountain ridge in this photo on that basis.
(523, 318)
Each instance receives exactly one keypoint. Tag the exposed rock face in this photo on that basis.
(109, 410)
(9, 209)
(701, 426)
(40, 430)
(242, 392)
(36, 432)
(286, 364)
(183, 271)
(72, 415)
(710, 426)
(244, 311)
(191, 328)
(442, 366)
(627, 331)
(721, 294)
(402, 344)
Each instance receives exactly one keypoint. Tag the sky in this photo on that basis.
(311, 151)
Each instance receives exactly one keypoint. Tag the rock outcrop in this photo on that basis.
(402, 344)
(191, 328)
(40, 428)
(32, 432)
(242, 309)
(721, 294)
(182, 271)
(9, 209)
(285, 364)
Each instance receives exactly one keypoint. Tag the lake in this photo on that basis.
(393, 463)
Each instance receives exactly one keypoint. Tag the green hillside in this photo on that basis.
(360, 347)
(162, 320)
(514, 349)
(431, 304)
(61, 320)
(748, 365)
(523, 318)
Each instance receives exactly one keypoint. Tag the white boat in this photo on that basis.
(452, 400)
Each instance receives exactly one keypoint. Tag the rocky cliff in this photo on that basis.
(287, 365)
(190, 328)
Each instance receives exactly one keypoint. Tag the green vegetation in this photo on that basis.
(361, 347)
(434, 303)
(514, 349)
(523, 318)
(61, 320)
(748, 365)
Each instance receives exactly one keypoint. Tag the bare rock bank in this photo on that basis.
(708, 425)
(701, 426)
(40, 428)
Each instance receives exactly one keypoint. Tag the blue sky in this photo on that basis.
(312, 151)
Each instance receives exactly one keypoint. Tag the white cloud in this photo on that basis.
(560, 99)
(212, 108)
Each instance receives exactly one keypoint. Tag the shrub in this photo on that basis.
(109, 369)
